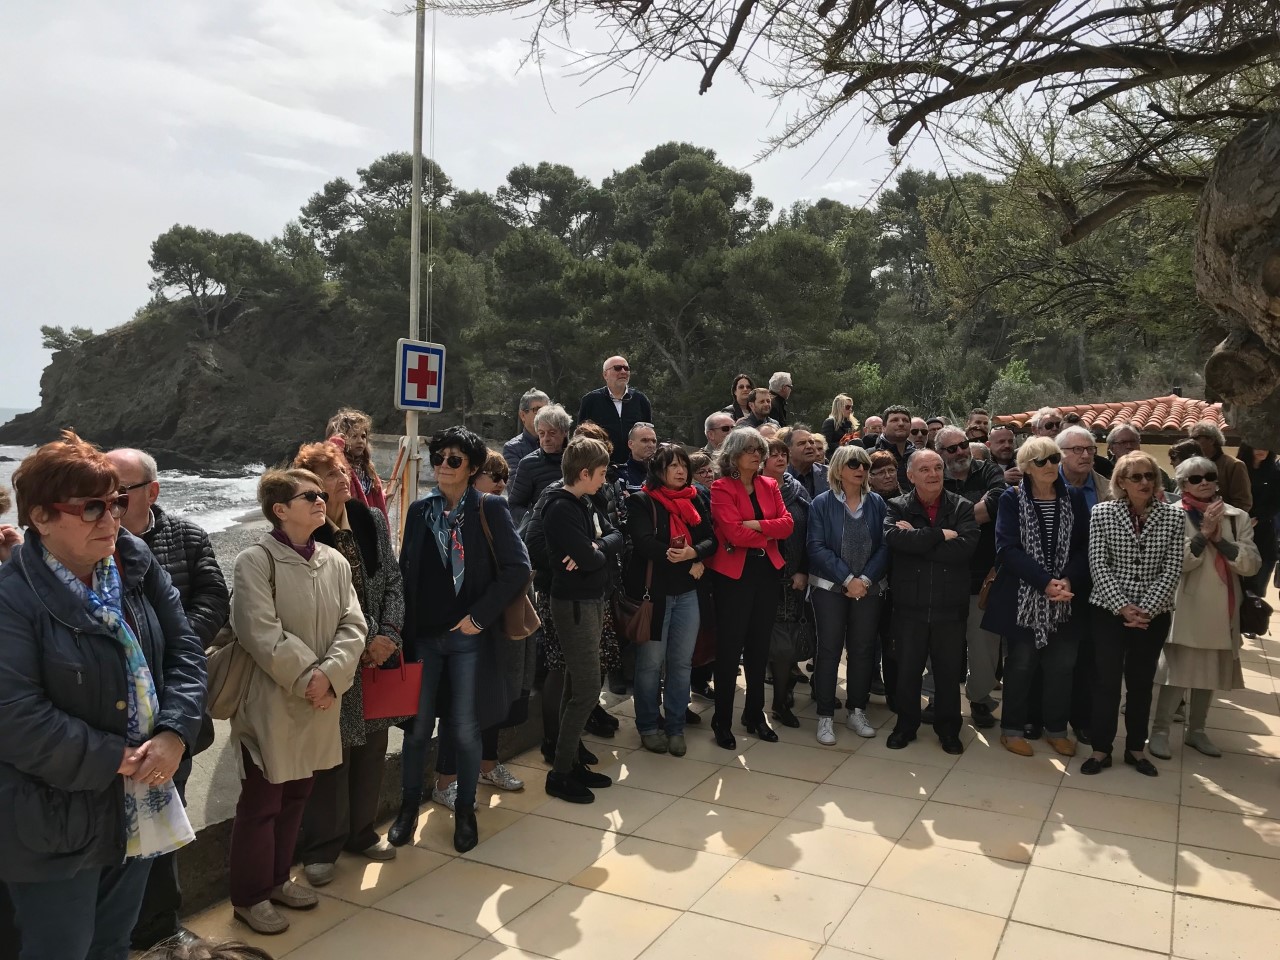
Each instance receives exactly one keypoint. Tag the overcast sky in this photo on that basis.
(123, 118)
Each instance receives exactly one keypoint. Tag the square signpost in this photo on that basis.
(419, 389)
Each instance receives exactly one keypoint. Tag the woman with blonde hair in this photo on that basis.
(842, 425)
(349, 431)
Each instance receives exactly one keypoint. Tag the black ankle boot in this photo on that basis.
(402, 830)
(465, 832)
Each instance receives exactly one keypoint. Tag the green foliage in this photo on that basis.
(216, 272)
(56, 338)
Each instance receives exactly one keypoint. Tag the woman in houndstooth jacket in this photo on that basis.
(1135, 557)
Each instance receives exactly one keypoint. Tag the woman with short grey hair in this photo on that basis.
(1202, 651)
(740, 441)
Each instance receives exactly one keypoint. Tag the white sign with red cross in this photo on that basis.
(420, 376)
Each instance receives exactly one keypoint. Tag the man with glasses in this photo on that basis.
(1125, 438)
(981, 483)
(642, 444)
(780, 388)
(897, 439)
(805, 456)
(616, 406)
(526, 441)
(872, 427)
(1078, 450)
(717, 427)
(1046, 422)
(184, 551)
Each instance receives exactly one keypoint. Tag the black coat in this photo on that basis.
(929, 574)
(532, 475)
(64, 690)
(598, 406)
(649, 543)
(186, 554)
(569, 525)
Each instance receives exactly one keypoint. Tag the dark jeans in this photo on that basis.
(1053, 668)
(88, 916)
(579, 623)
(745, 610)
(942, 642)
(458, 654)
(447, 753)
(162, 901)
(265, 833)
(849, 626)
(1123, 653)
(344, 803)
(1264, 535)
(888, 659)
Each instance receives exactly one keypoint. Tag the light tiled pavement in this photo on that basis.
(796, 850)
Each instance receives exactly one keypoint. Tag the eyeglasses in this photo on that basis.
(962, 445)
(454, 461)
(1201, 478)
(311, 496)
(919, 433)
(135, 486)
(91, 511)
(620, 368)
(1078, 450)
(1146, 476)
(1054, 458)
(724, 429)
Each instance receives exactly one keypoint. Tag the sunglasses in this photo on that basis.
(1054, 458)
(135, 486)
(620, 368)
(1146, 476)
(918, 433)
(91, 511)
(727, 429)
(962, 445)
(1201, 478)
(311, 496)
(1050, 426)
(454, 461)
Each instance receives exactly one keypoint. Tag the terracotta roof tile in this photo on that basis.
(1167, 415)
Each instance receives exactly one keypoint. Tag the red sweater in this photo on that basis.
(730, 507)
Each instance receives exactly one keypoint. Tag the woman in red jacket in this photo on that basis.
(750, 518)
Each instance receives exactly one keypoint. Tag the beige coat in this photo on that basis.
(314, 622)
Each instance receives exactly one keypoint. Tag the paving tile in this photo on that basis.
(695, 937)
(701, 745)
(577, 924)
(891, 926)
(1228, 831)
(878, 813)
(1213, 930)
(1251, 744)
(788, 902)
(1001, 836)
(364, 882)
(1223, 875)
(218, 923)
(1124, 781)
(1133, 916)
(797, 762)
(806, 735)
(619, 808)
(653, 872)
(1255, 700)
(1250, 722)
(959, 879)
(903, 778)
(1137, 818)
(835, 953)
(660, 773)
(1091, 852)
(471, 898)
(709, 827)
(435, 824)
(489, 950)
(846, 855)
(996, 794)
(391, 937)
(1022, 941)
(757, 792)
(1234, 783)
(545, 847)
(1045, 767)
(925, 751)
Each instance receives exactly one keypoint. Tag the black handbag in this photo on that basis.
(1255, 615)
(793, 637)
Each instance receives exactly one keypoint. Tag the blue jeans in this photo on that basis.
(88, 916)
(459, 655)
(675, 650)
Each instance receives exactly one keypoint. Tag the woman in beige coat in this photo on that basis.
(1202, 652)
(295, 611)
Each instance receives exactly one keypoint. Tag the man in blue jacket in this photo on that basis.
(615, 406)
(805, 460)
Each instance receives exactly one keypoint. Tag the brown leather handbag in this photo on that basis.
(635, 617)
(985, 592)
(519, 619)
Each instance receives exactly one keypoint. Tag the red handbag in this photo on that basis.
(391, 693)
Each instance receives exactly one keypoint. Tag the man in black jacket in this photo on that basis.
(615, 406)
(184, 551)
(932, 535)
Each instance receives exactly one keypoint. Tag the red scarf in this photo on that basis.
(1197, 508)
(680, 509)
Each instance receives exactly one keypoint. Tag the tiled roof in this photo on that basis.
(1169, 414)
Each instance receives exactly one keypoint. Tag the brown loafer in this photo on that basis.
(1018, 745)
(1063, 746)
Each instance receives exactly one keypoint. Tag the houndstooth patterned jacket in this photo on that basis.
(1127, 568)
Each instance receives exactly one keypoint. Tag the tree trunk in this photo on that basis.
(1237, 269)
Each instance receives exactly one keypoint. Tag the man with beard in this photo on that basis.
(760, 404)
(1004, 453)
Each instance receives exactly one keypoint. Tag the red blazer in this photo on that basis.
(730, 506)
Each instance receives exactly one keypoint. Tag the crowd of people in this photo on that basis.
(940, 561)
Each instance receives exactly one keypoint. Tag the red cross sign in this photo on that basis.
(420, 376)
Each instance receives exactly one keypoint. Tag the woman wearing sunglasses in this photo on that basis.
(103, 682)
(1202, 653)
(296, 612)
(457, 582)
(842, 426)
(1042, 554)
(1135, 559)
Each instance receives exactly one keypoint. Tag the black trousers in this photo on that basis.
(1048, 672)
(888, 659)
(343, 805)
(1123, 653)
(745, 610)
(849, 627)
(942, 642)
(162, 899)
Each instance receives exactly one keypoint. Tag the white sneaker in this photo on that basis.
(448, 797)
(827, 731)
(858, 723)
(502, 778)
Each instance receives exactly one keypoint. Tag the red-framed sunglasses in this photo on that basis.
(91, 511)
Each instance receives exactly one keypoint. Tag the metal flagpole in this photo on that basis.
(409, 489)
